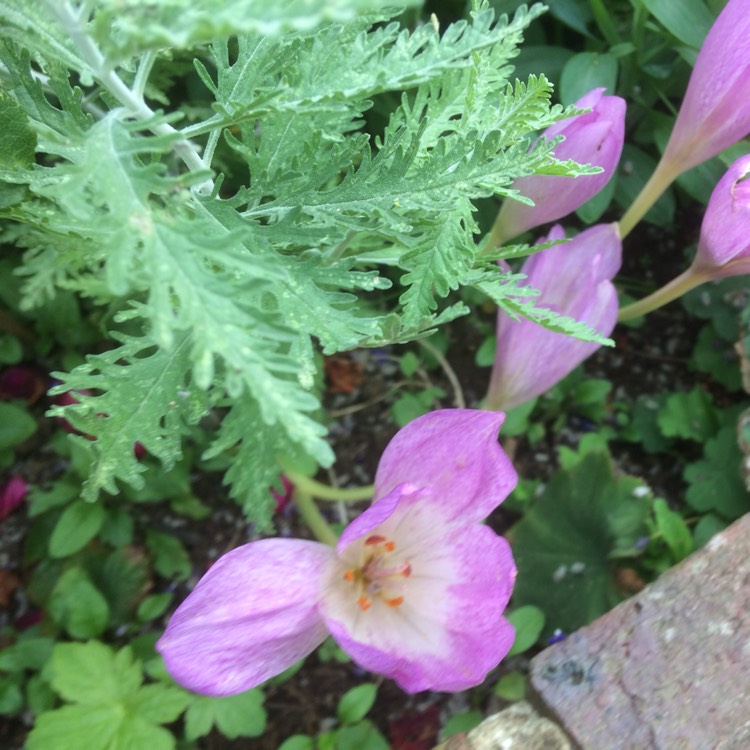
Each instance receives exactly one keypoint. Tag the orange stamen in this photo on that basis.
(395, 602)
(374, 539)
(390, 546)
(349, 575)
(364, 603)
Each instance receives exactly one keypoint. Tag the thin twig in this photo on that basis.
(458, 394)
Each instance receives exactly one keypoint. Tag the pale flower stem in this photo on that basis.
(663, 176)
(496, 237)
(314, 518)
(130, 99)
(326, 492)
(683, 283)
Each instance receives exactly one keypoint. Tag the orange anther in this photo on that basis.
(349, 575)
(374, 539)
(395, 602)
(390, 546)
(364, 603)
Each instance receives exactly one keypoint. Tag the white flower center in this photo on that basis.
(380, 575)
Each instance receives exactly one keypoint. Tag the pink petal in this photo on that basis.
(594, 138)
(455, 454)
(12, 495)
(715, 112)
(253, 615)
(574, 280)
(449, 631)
(724, 246)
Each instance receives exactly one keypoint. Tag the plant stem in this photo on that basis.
(683, 283)
(314, 518)
(130, 99)
(326, 492)
(663, 176)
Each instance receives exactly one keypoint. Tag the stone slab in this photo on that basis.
(667, 669)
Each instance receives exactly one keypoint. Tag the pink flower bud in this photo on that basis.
(724, 245)
(715, 112)
(594, 138)
(12, 494)
(575, 280)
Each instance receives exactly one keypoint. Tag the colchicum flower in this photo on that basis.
(415, 589)
(575, 280)
(594, 138)
(715, 112)
(724, 244)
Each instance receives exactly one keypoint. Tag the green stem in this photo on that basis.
(130, 99)
(326, 492)
(660, 180)
(683, 283)
(314, 518)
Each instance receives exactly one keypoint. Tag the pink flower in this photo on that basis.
(715, 112)
(415, 588)
(283, 497)
(594, 138)
(12, 495)
(724, 245)
(575, 280)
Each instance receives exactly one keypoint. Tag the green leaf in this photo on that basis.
(715, 482)
(171, 559)
(689, 20)
(11, 697)
(356, 702)
(511, 687)
(689, 415)
(363, 736)
(92, 674)
(240, 715)
(463, 722)
(78, 606)
(154, 606)
(154, 408)
(74, 727)
(528, 622)
(158, 704)
(16, 425)
(298, 742)
(564, 545)
(122, 576)
(180, 26)
(586, 71)
(673, 529)
(76, 527)
(17, 139)
(26, 653)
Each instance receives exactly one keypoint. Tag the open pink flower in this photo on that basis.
(415, 588)
(575, 280)
(594, 138)
(724, 245)
(715, 112)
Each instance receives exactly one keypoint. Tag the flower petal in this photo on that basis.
(724, 231)
(449, 631)
(574, 280)
(454, 453)
(253, 615)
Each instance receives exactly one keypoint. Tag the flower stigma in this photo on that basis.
(380, 574)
